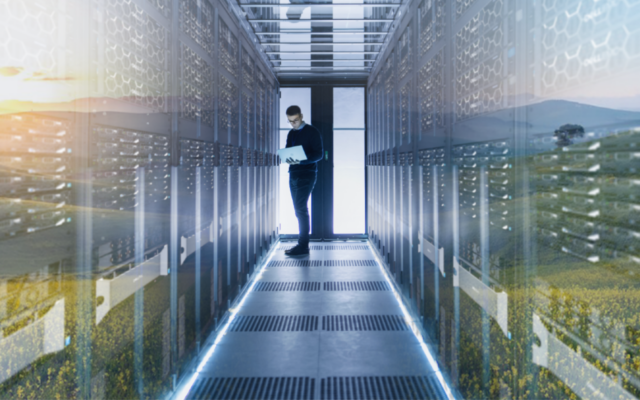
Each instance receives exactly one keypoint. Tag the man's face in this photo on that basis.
(295, 120)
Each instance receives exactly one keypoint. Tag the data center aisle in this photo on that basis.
(324, 326)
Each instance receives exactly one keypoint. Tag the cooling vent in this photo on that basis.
(364, 323)
(350, 263)
(347, 247)
(312, 247)
(272, 323)
(381, 388)
(287, 286)
(356, 286)
(281, 388)
(295, 263)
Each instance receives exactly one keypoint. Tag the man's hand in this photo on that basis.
(291, 161)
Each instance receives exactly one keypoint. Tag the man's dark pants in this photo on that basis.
(301, 184)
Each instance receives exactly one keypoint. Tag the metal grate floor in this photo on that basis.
(287, 286)
(290, 246)
(347, 247)
(285, 388)
(273, 323)
(318, 263)
(356, 286)
(295, 263)
(329, 247)
(350, 263)
(364, 323)
(381, 387)
(325, 326)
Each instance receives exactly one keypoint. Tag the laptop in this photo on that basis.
(295, 152)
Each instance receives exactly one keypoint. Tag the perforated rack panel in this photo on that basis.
(133, 53)
(431, 95)
(197, 87)
(513, 234)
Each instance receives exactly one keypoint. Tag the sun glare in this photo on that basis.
(19, 84)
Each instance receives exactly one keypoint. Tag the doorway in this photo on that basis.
(338, 202)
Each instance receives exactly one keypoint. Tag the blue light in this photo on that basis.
(184, 391)
(416, 332)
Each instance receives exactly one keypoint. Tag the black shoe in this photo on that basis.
(297, 251)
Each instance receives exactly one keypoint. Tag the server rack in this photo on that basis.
(509, 191)
(132, 212)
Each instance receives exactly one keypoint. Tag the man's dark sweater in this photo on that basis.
(311, 141)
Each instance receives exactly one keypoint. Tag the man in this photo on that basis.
(302, 174)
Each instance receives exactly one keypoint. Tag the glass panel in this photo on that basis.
(348, 161)
(348, 108)
(302, 98)
(348, 182)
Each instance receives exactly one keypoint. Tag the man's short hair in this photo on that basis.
(293, 110)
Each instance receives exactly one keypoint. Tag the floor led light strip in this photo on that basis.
(414, 329)
(182, 393)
